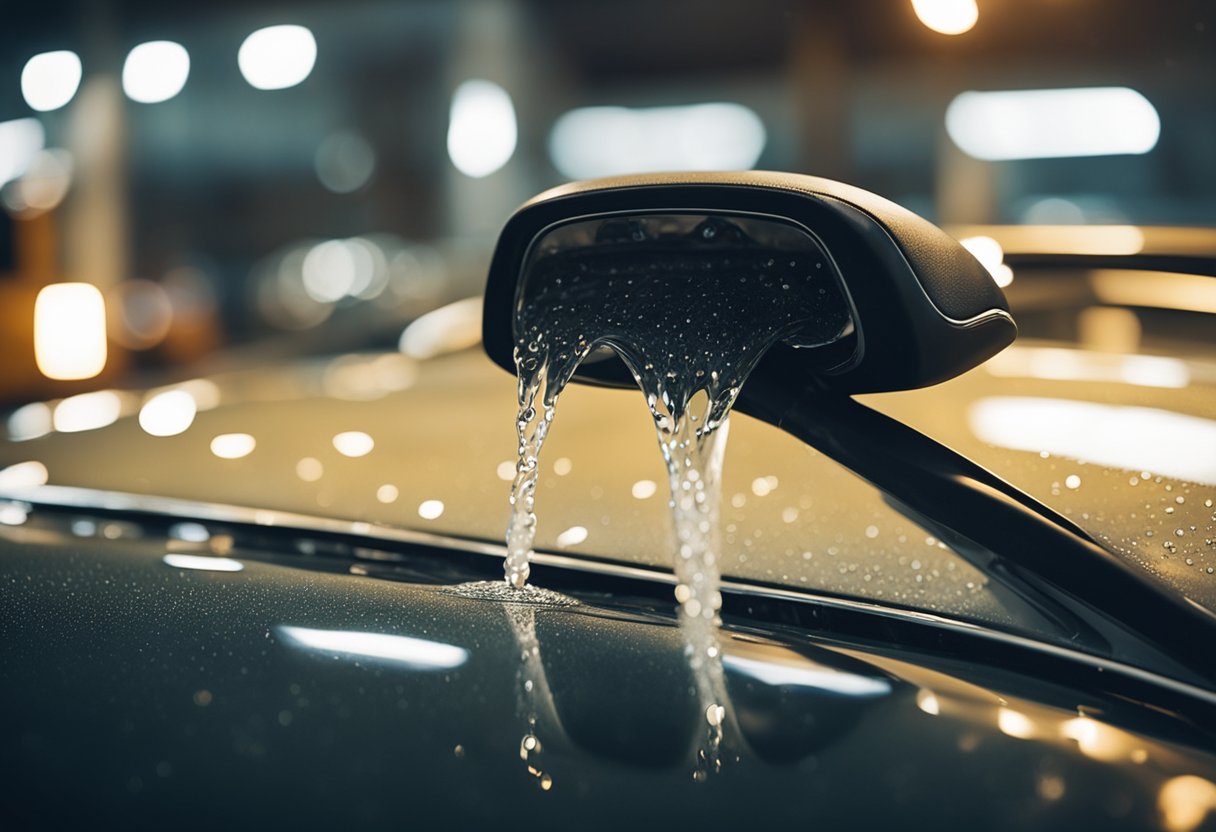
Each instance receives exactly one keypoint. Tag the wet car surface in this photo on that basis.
(294, 693)
(252, 615)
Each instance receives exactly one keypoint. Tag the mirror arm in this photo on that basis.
(947, 488)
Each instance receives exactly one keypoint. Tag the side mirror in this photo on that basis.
(876, 298)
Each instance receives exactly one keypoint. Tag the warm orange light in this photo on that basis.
(70, 331)
(233, 445)
(1163, 290)
(1014, 723)
(927, 701)
(949, 17)
(1185, 801)
(1071, 239)
(1096, 739)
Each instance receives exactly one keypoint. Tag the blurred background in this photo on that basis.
(188, 187)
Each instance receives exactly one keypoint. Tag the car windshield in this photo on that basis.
(242, 247)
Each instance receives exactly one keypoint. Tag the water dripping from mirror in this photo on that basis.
(689, 305)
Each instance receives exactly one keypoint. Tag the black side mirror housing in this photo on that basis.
(923, 308)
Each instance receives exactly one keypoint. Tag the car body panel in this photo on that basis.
(876, 675)
(294, 693)
(443, 430)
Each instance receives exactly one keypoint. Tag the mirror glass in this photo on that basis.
(683, 279)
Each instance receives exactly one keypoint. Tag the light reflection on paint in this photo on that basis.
(1059, 364)
(1095, 739)
(362, 378)
(1014, 724)
(1133, 438)
(430, 509)
(1184, 802)
(310, 469)
(168, 413)
(206, 393)
(205, 563)
(233, 445)
(763, 486)
(28, 474)
(353, 443)
(572, 536)
(927, 701)
(13, 514)
(644, 489)
(189, 532)
(456, 326)
(802, 672)
(414, 653)
(87, 411)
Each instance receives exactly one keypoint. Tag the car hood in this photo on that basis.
(386, 441)
(162, 684)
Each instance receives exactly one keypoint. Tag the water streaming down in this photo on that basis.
(690, 304)
(534, 699)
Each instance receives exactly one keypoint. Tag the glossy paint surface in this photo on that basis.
(291, 692)
(429, 446)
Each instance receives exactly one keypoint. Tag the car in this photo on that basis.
(258, 599)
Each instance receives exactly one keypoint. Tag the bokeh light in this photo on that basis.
(1044, 124)
(607, 141)
(155, 71)
(345, 162)
(70, 331)
(50, 80)
(277, 57)
(947, 17)
(481, 128)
